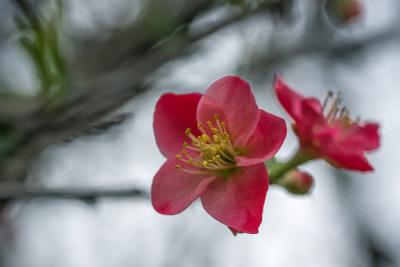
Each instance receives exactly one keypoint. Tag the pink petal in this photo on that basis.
(289, 99)
(341, 156)
(231, 98)
(173, 115)
(265, 141)
(238, 201)
(348, 161)
(173, 190)
(312, 107)
(312, 120)
(362, 137)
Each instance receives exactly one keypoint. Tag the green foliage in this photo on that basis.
(40, 39)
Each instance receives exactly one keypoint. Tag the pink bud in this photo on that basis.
(351, 10)
(344, 10)
(296, 182)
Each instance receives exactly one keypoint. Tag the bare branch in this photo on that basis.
(20, 192)
(40, 127)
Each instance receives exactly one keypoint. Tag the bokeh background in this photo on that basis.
(78, 84)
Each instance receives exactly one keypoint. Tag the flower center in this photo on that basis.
(212, 154)
(334, 111)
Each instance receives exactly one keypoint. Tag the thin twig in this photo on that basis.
(21, 192)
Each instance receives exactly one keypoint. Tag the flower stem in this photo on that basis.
(278, 169)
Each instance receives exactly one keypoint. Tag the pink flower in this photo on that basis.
(327, 131)
(215, 145)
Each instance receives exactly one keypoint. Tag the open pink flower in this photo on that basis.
(327, 131)
(215, 145)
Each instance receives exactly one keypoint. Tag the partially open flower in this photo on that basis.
(327, 131)
(216, 145)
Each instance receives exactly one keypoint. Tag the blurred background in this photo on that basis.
(78, 84)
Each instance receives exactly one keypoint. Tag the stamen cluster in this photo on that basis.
(333, 110)
(214, 153)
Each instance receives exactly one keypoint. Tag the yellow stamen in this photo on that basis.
(212, 154)
(193, 148)
(178, 167)
(223, 146)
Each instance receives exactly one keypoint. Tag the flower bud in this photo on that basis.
(296, 182)
(343, 11)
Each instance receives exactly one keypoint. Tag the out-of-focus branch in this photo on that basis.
(94, 99)
(106, 88)
(20, 192)
(320, 38)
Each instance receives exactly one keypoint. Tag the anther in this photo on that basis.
(215, 116)
(185, 145)
(205, 137)
(209, 123)
(328, 96)
(223, 146)
(178, 156)
(187, 131)
(199, 126)
(216, 139)
(184, 153)
(178, 167)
